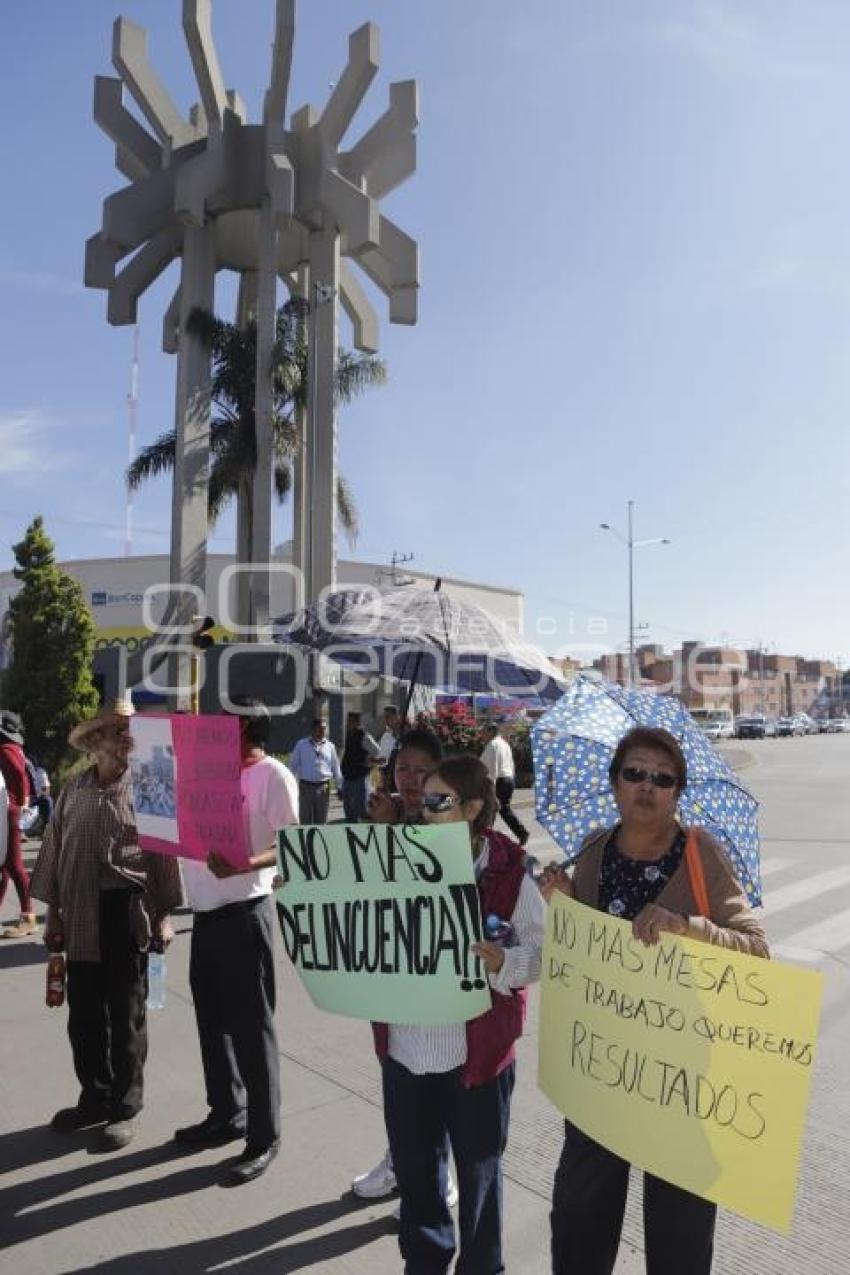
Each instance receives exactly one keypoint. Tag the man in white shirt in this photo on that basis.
(315, 765)
(231, 967)
(499, 760)
(392, 729)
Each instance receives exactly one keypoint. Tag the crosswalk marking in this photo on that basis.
(800, 891)
(770, 866)
(827, 935)
(797, 955)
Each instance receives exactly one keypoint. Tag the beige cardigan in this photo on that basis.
(732, 924)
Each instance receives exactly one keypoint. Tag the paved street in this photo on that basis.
(65, 1208)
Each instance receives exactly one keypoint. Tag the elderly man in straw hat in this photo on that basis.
(107, 901)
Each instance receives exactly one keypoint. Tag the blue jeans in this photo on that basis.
(424, 1115)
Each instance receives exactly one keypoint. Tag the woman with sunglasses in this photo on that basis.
(451, 1085)
(639, 870)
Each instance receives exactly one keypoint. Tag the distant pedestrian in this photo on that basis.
(358, 757)
(315, 765)
(499, 760)
(41, 795)
(391, 731)
(231, 966)
(388, 746)
(107, 901)
(13, 767)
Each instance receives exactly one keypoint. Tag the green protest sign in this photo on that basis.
(379, 919)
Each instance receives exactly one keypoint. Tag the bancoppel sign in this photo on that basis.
(106, 598)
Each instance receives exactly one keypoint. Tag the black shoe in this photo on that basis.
(251, 1164)
(72, 1119)
(523, 838)
(118, 1133)
(209, 1133)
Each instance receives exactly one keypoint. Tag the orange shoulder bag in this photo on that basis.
(693, 858)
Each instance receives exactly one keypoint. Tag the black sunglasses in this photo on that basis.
(658, 778)
(436, 803)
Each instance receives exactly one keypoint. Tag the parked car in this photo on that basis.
(789, 726)
(838, 726)
(714, 723)
(809, 725)
(750, 727)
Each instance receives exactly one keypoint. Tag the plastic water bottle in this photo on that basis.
(499, 931)
(156, 981)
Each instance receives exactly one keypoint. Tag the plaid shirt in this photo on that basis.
(91, 843)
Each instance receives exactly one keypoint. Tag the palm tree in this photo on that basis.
(233, 440)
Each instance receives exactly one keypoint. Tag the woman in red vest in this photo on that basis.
(451, 1085)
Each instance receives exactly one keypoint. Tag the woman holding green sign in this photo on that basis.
(651, 871)
(451, 1085)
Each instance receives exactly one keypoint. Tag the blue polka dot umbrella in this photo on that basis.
(573, 745)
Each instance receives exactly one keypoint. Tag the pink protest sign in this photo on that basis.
(186, 786)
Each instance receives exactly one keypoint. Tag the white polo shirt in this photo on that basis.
(499, 759)
(269, 802)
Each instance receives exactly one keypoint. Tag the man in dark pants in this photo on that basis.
(107, 899)
(315, 765)
(358, 757)
(499, 760)
(231, 967)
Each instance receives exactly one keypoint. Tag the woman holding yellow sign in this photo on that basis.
(665, 879)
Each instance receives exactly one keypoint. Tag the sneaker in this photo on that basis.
(451, 1199)
(378, 1182)
(118, 1134)
(72, 1119)
(209, 1132)
(23, 927)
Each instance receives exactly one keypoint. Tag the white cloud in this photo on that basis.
(728, 42)
(25, 445)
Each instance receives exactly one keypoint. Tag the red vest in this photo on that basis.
(491, 1038)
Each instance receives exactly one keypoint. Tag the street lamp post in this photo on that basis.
(632, 544)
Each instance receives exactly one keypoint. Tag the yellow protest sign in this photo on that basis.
(688, 1060)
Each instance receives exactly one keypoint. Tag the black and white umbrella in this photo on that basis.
(422, 636)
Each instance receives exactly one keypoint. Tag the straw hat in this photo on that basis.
(110, 712)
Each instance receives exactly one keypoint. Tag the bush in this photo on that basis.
(459, 731)
(456, 728)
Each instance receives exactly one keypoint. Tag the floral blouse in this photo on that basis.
(627, 885)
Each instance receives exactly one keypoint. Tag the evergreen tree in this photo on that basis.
(49, 681)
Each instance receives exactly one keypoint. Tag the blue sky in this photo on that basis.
(634, 218)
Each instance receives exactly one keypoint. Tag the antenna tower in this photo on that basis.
(132, 414)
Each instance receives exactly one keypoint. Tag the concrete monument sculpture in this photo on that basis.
(219, 193)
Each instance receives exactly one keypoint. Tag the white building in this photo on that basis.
(115, 590)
